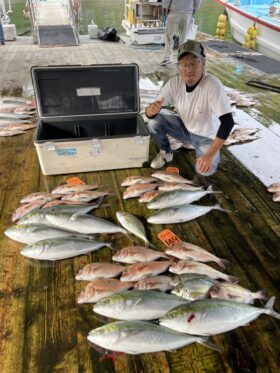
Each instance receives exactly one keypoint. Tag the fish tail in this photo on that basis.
(261, 294)
(222, 263)
(211, 190)
(218, 207)
(269, 308)
(232, 279)
(205, 342)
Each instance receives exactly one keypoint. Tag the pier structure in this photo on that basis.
(54, 22)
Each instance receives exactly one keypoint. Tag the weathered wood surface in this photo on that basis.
(42, 329)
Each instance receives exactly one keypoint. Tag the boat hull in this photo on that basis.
(267, 41)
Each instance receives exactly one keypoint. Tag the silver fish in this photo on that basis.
(139, 337)
(184, 277)
(102, 288)
(39, 216)
(181, 214)
(235, 292)
(31, 233)
(92, 271)
(198, 288)
(133, 225)
(83, 223)
(61, 248)
(214, 316)
(137, 254)
(187, 266)
(178, 198)
(137, 305)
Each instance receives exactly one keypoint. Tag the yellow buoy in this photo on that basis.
(221, 26)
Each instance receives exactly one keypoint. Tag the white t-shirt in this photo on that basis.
(201, 108)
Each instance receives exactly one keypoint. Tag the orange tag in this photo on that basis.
(74, 180)
(173, 170)
(168, 237)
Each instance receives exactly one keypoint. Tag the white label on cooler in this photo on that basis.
(89, 91)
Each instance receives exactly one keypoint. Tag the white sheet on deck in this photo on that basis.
(261, 156)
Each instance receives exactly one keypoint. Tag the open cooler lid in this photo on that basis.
(95, 90)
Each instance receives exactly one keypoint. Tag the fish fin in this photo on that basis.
(74, 217)
(222, 263)
(269, 308)
(218, 207)
(206, 343)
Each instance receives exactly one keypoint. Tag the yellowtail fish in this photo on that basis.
(137, 305)
(181, 214)
(61, 248)
(177, 198)
(140, 337)
(214, 316)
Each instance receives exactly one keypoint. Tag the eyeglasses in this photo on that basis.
(192, 65)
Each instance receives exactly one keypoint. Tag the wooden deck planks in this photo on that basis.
(43, 329)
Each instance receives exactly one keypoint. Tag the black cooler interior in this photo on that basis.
(66, 129)
(87, 101)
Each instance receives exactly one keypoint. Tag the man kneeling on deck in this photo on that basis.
(201, 103)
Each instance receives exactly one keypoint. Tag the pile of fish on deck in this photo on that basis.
(199, 304)
(16, 115)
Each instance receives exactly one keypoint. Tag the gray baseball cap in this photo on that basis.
(191, 46)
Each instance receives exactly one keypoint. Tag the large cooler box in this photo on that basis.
(89, 118)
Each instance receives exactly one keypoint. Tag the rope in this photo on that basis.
(262, 85)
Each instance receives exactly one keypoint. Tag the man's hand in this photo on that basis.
(204, 163)
(154, 108)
